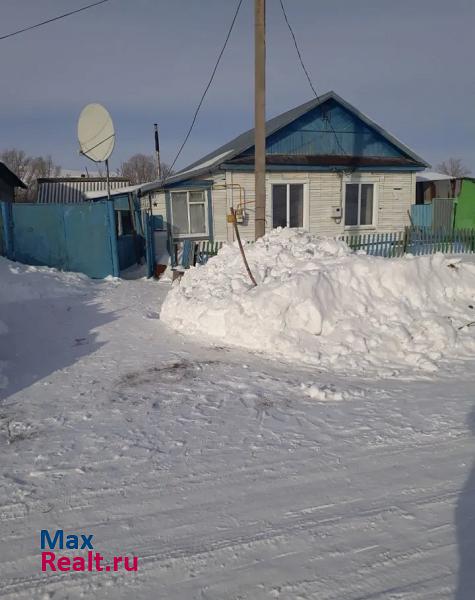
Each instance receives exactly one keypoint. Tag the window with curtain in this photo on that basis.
(359, 204)
(287, 205)
(188, 211)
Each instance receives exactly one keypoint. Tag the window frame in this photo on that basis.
(204, 202)
(288, 182)
(361, 181)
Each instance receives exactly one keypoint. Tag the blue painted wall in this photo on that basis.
(312, 135)
(2, 242)
(73, 237)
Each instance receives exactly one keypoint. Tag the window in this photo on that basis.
(287, 205)
(359, 204)
(189, 213)
(124, 223)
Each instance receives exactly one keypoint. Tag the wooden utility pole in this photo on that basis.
(260, 117)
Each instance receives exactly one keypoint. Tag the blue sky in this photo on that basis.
(406, 64)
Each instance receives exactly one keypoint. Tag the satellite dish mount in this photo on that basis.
(96, 136)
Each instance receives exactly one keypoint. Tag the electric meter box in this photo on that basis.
(336, 212)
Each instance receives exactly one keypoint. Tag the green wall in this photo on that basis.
(465, 212)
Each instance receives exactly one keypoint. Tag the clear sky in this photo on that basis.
(408, 64)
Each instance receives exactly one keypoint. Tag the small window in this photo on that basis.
(359, 204)
(189, 213)
(287, 205)
(127, 223)
(124, 223)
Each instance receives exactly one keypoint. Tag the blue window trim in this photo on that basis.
(189, 186)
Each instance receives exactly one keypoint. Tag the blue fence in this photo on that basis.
(73, 237)
(413, 240)
(421, 215)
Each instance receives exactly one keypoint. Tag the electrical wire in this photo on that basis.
(307, 75)
(195, 116)
(68, 14)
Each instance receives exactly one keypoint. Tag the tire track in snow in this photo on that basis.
(249, 536)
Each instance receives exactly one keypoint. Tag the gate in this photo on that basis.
(73, 237)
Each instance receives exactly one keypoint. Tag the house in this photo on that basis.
(74, 189)
(329, 169)
(8, 182)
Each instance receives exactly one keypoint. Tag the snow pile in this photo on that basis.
(319, 303)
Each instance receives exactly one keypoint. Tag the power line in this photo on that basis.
(307, 73)
(208, 86)
(68, 14)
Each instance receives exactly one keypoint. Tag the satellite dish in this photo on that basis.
(96, 133)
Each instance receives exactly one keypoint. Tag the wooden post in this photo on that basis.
(260, 117)
(241, 249)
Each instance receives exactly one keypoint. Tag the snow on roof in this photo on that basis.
(432, 176)
(207, 163)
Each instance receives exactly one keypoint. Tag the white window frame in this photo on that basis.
(288, 182)
(361, 181)
(205, 202)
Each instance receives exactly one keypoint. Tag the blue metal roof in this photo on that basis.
(308, 129)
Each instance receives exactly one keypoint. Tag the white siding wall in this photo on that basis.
(395, 192)
(158, 204)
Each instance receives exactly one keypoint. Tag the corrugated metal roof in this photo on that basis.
(245, 141)
(58, 190)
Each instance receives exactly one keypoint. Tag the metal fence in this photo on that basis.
(74, 237)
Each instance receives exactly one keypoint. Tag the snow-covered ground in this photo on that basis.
(229, 475)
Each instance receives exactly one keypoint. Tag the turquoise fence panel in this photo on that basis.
(72, 237)
(2, 241)
(7, 240)
(38, 235)
(421, 215)
(88, 239)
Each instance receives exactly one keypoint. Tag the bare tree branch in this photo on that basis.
(29, 169)
(142, 168)
(453, 167)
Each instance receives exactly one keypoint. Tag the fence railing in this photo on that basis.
(189, 253)
(413, 240)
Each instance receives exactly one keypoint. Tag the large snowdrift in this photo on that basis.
(320, 303)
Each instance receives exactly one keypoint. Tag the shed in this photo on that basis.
(8, 182)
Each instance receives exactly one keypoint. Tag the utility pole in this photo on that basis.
(157, 150)
(260, 116)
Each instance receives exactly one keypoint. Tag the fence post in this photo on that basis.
(7, 218)
(405, 240)
(113, 237)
